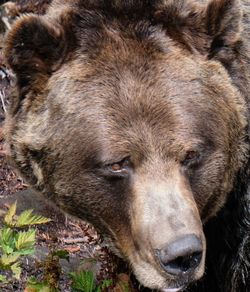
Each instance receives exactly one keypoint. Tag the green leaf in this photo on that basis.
(24, 252)
(83, 281)
(16, 270)
(33, 281)
(7, 260)
(7, 238)
(26, 240)
(8, 218)
(8, 250)
(36, 286)
(3, 279)
(105, 284)
(27, 218)
(6, 234)
(61, 254)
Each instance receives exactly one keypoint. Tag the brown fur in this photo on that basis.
(156, 82)
(17, 7)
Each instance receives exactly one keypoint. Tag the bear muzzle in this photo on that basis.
(169, 243)
(172, 267)
(181, 257)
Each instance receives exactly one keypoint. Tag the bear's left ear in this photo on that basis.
(34, 49)
(222, 26)
(206, 28)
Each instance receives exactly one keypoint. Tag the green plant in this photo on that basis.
(15, 242)
(84, 281)
(104, 285)
(34, 285)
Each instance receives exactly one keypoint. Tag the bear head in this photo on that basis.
(129, 115)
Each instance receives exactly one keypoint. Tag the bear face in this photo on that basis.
(127, 124)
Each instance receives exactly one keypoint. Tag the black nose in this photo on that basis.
(181, 256)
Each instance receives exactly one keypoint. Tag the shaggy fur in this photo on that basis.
(134, 115)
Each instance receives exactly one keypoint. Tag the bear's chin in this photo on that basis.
(150, 277)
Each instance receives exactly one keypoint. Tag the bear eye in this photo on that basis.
(191, 158)
(120, 168)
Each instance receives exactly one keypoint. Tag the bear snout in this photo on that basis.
(167, 229)
(172, 267)
(182, 256)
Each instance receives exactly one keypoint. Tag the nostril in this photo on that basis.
(181, 256)
(184, 264)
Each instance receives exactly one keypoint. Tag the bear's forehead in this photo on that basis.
(131, 100)
(128, 78)
(113, 37)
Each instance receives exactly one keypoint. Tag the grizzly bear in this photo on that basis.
(134, 115)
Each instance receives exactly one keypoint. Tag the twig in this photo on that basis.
(74, 240)
(2, 97)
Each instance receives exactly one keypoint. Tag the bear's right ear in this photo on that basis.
(34, 48)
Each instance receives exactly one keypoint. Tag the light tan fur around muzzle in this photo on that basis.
(163, 211)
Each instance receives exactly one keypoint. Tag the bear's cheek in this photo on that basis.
(210, 185)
